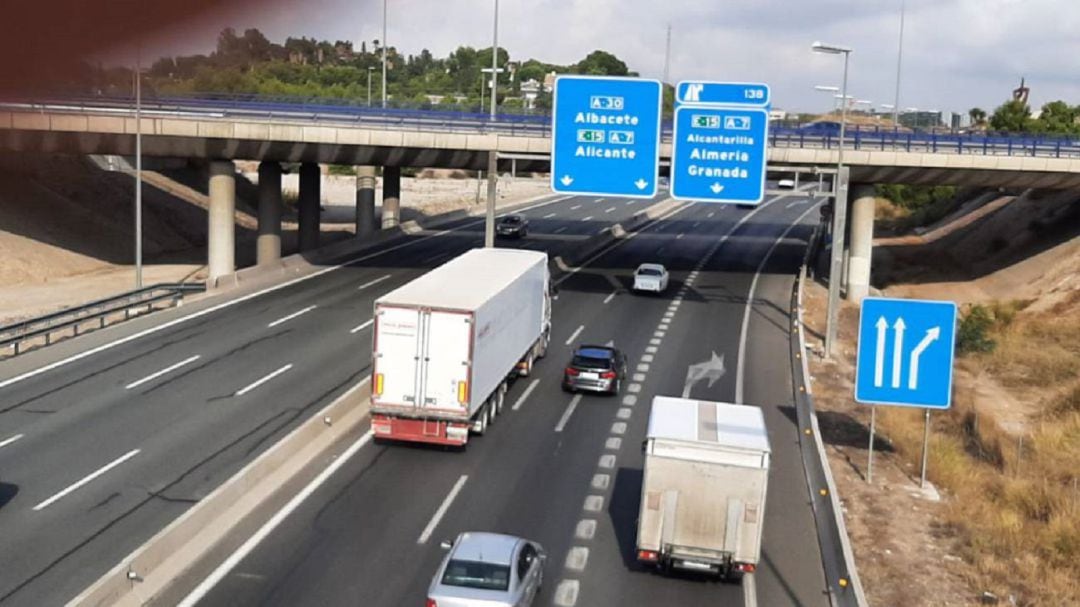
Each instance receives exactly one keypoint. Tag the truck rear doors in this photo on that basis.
(422, 358)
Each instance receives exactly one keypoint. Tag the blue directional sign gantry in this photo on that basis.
(718, 147)
(905, 352)
(605, 136)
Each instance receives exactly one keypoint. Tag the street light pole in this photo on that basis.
(836, 263)
(369, 70)
(138, 175)
(384, 54)
(495, 60)
(899, 61)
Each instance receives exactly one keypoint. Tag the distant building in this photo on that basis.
(530, 89)
(435, 99)
(777, 115)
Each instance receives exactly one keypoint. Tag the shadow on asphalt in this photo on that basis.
(7, 493)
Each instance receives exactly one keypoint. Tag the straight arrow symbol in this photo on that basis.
(931, 336)
(567, 180)
(898, 350)
(879, 360)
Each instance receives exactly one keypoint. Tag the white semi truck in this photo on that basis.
(703, 489)
(446, 344)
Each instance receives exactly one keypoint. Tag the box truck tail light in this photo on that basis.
(378, 384)
(463, 392)
(745, 567)
(572, 372)
(608, 375)
(650, 556)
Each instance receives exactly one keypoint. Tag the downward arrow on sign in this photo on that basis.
(567, 180)
(716, 188)
(641, 184)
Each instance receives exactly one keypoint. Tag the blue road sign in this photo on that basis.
(605, 136)
(722, 93)
(719, 154)
(905, 354)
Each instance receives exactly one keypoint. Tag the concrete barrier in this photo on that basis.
(165, 568)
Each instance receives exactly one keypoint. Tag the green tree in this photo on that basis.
(1058, 117)
(601, 63)
(977, 115)
(1013, 116)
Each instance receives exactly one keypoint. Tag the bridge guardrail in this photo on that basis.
(76, 318)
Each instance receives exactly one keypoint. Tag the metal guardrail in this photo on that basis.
(810, 136)
(841, 577)
(77, 318)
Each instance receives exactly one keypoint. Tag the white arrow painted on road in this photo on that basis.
(712, 369)
(879, 362)
(931, 336)
(641, 184)
(716, 188)
(610, 343)
(567, 180)
(898, 350)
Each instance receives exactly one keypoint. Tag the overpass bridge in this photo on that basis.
(221, 131)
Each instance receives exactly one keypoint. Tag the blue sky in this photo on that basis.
(957, 53)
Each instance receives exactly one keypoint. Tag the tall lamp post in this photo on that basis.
(138, 175)
(899, 61)
(836, 263)
(384, 54)
(495, 60)
(369, 70)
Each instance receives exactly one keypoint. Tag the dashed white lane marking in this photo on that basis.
(647, 358)
(575, 207)
(607, 461)
(618, 428)
(443, 507)
(624, 413)
(599, 200)
(566, 414)
(594, 503)
(524, 395)
(651, 349)
(639, 377)
(643, 367)
(360, 327)
(609, 297)
(9, 440)
(612, 209)
(629, 400)
(679, 237)
(291, 316)
(559, 230)
(634, 388)
(586, 529)
(371, 283)
(577, 558)
(601, 482)
(263, 380)
(575, 334)
(548, 216)
(86, 479)
(586, 218)
(659, 333)
(567, 592)
(248, 546)
(655, 342)
(711, 215)
(613, 443)
(153, 376)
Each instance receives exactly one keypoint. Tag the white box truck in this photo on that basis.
(703, 488)
(446, 344)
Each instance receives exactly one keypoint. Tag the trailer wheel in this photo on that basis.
(500, 396)
(544, 342)
(492, 410)
(530, 359)
(481, 423)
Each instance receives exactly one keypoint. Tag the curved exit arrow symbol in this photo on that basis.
(931, 336)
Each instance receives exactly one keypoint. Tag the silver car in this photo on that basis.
(488, 570)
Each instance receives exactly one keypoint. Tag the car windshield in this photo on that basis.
(650, 272)
(590, 362)
(474, 574)
(511, 220)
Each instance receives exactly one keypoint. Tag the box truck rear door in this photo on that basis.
(445, 372)
(398, 343)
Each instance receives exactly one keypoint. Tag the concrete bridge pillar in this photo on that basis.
(221, 243)
(862, 241)
(391, 202)
(365, 201)
(309, 205)
(268, 244)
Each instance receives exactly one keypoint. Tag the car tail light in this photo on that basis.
(378, 384)
(650, 556)
(431, 603)
(572, 372)
(745, 567)
(608, 375)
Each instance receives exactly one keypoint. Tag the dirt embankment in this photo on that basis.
(1000, 523)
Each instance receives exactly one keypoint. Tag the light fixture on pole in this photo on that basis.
(839, 204)
(829, 89)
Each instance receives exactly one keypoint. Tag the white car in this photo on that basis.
(488, 570)
(786, 184)
(651, 277)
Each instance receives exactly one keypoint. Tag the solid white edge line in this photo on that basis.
(373, 282)
(517, 404)
(252, 542)
(87, 479)
(574, 335)
(566, 414)
(153, 376)
(743, 331)
(232, 302)
(262, 381)
(8, 441)
(441, 512)
(291, 316)
(361, 327)
(749, 590)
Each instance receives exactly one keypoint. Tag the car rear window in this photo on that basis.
(650, 272)
(511, 220)
(474, 574)
(589, 362)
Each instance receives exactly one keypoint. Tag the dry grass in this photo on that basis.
(1014, 501)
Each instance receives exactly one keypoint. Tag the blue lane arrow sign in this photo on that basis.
(605, 136)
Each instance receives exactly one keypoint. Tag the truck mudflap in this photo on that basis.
(432, 431)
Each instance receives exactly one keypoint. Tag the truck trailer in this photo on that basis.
(703, 488)
(445, 345)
